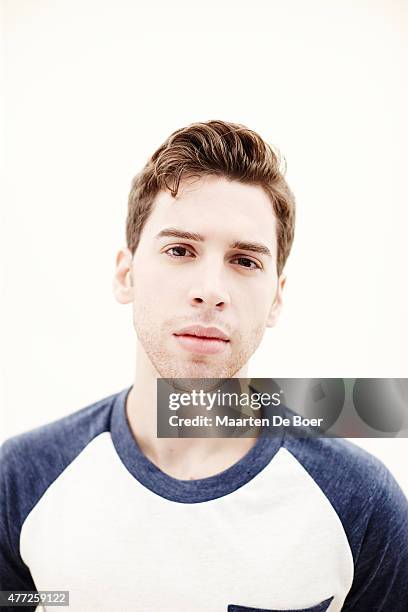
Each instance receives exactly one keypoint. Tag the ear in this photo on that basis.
(277, 304)
(122, 280)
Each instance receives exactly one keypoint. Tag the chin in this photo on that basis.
(197, 368)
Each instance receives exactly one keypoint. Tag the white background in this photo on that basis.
(93, 87)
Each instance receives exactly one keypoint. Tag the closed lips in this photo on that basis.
(202, 340)
(205, 333)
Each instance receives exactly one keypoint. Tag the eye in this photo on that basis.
(179, 251)
(245, 262)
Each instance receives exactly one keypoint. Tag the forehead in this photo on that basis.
(216, 208)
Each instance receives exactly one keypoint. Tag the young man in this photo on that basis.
(97, 504)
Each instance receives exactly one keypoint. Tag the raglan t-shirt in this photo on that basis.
(298, 523)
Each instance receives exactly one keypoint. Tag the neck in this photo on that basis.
(183, 458)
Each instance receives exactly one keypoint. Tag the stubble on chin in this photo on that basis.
(173, 364)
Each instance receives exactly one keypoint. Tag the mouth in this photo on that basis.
(202, 340)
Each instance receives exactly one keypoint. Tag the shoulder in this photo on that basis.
(59, 441)
(30, 462)
(358, 485)
(338, 463)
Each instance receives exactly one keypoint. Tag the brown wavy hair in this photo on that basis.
(213, 148)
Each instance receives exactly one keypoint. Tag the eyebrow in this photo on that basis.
(255, 247)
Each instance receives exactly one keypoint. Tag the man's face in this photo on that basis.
(206, 259)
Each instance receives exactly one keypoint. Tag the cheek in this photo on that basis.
(154, 302)
(255, 304)
(152, 279)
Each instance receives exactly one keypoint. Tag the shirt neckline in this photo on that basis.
(187, 491)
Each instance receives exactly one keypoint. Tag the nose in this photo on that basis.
(209, 288)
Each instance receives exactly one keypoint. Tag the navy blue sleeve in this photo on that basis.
(14, 574)
(381, 565)
(29, 463)
(374, 514)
